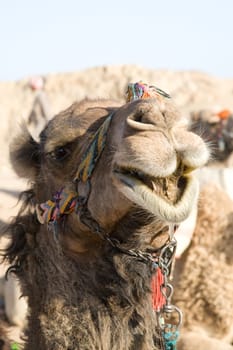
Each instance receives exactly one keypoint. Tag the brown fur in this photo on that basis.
(205, 287)
(216, 131)
(4, 339)
(82, 292)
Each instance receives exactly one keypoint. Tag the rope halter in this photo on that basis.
(65, 201)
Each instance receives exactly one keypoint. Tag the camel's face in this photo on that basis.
(147, 160)
(154, 159)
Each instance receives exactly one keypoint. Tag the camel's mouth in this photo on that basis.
(171, 197)
(169, 188)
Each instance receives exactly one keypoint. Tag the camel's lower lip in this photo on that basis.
(140, 193)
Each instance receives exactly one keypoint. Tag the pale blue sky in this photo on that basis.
(50, 36)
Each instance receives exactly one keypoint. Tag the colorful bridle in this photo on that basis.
(65, 201)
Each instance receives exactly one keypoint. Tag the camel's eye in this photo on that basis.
(59, 153)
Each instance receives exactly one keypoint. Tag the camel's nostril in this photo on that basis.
(143, 118)
(139, 121)
(138, 117)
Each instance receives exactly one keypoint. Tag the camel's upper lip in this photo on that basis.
(171, 198)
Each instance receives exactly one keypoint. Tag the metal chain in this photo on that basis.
(170, 331)
(90, 222)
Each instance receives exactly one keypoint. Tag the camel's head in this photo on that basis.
(146, 163)
(216, 129)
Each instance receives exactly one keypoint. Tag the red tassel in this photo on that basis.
(158, 299)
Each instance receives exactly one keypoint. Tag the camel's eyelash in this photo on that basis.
(61, 152)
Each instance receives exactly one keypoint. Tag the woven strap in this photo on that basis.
(93, 152)
(157, 283)
(64, 202)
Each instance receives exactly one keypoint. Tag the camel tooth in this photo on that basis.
(154, 186)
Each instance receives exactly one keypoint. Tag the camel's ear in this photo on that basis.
(25, 154)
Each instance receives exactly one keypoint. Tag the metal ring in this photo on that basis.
(168, 309)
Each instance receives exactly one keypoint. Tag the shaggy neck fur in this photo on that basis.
(102, 302)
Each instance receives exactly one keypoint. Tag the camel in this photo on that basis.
(108, 185)
(204, 277)
(203, 274)
(216, 128)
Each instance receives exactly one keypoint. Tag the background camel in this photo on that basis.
(216, 128)
(84, 293)
(204, 271)
(204, 278)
